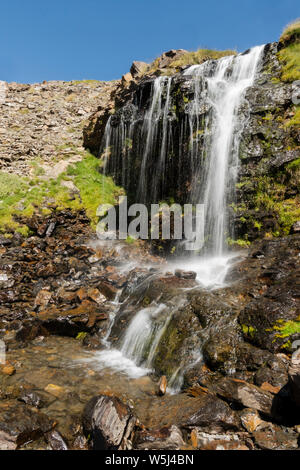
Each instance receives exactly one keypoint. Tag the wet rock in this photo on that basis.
(108, 290)
(56, 441)
(164, 439)
(248, 395)
(70, 322)
(7, 369)
(31, 398)
(185, 274)
(275, 438)
(109, 422)
(55, 390)
(214, 414)
(20, 423)
(250, 419)
(294, 377)
(269, 315)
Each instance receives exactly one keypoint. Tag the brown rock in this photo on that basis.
(138, 68)
(270, 388)
(163, 383)
(247, 394)
(250, 419)
(108, 290)
(275, 438)
(126, 79)
(162, 439)
(8, 369)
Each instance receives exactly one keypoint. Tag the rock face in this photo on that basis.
(109, 422)
(268, 149)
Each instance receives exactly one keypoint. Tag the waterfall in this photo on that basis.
(214, 184)
(139, 343)
(213, 125)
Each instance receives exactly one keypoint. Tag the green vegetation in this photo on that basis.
(239, 242)
(21, 197)
(291, 32)
(289, 55)
(189, 58)
(287, 328)
(295, 120)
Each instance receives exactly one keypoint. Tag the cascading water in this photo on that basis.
(214, 127)
(218, 166)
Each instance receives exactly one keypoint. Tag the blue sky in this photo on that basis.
(99, 39)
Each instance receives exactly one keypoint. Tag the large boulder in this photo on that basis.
(294, 377)
(108, 422)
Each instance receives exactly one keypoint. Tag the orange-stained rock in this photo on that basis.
(163, 383)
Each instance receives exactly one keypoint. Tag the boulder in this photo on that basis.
(214, 414)
(109, 422)
(138, 68)
(294, 377)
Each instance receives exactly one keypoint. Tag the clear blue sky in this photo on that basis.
(98, 39)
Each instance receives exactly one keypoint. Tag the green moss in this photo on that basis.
(287, 328)
(239, 242)
(81, 336)
(248, 331)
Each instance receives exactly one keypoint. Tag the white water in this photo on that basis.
(157, 112)
(139, 344)
(225, 89)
